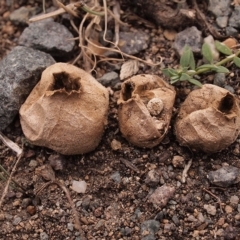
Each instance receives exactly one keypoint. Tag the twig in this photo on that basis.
(18, 187)
(116, 11)
(75, 213)
(185, 170)
(213, 195)
(67, 9)
(130, 165)
(51, 14)
(202, 18)
(9, 179)
(11, 144)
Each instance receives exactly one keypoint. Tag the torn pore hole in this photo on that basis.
(226, 104)
(127, 91)
(64, 81)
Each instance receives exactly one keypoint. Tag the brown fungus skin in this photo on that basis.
(66, 111)
(135, 122)
(208, 120)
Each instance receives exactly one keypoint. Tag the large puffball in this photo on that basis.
(66, 111)
(145, 109)
(208, 120)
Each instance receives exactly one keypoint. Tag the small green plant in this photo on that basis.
(188, 69)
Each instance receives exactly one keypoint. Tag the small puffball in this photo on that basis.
(155, 106)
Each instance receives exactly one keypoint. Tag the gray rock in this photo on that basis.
(222, 21)
(109, 79)
(152, 178)
(126, 231)
(229, 88)
(175, 219)
(231, 31)
(133, 42)
(22, 14)
(20, 70)
(148, 237)
(161, 195)
(219, 79)
(16, 221)
(234, 18)
(191, 37)
(149, 227)
(26, 202)
(116, 177)
(70, 227)
(219, 7)
(43, 236)
(48, 36)
(224, 176)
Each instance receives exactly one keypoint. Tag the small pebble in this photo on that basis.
(116, 145)
(33, 163)
(116, 177)
(2, 216)
(152, 178)
(70, 227)
(16, 221)
(169, 34)
(230, 42)
(149, 227)
(79, 186)
(43, 236)
(31, 210)
(229, 88)
(161, 195)
(211, 43)
(219, 79)
(210, 209)
(178, 161)
(228, 209)
(26, 202)
(234, 200)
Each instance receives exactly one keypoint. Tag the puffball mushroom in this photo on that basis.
(208, 120)
(66, 111)
(145, 109)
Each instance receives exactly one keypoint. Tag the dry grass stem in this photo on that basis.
(213, 195)
(11, 144)
(75, 213)
(185, 170)
(10, 179)
(92, 52)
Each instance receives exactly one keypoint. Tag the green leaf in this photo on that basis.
(174, 78)
(184, 69)
(169, 72)
(184, 77)
(208, 67)
(174, 81)
(207, 53)
(186, 57)
(195, 82)
(236, 61)
(192, 63)
(221, 47)
(221, 69)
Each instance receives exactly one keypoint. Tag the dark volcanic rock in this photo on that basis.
(20, 70)
(224, 176)
(48, 36)
(191, 37)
